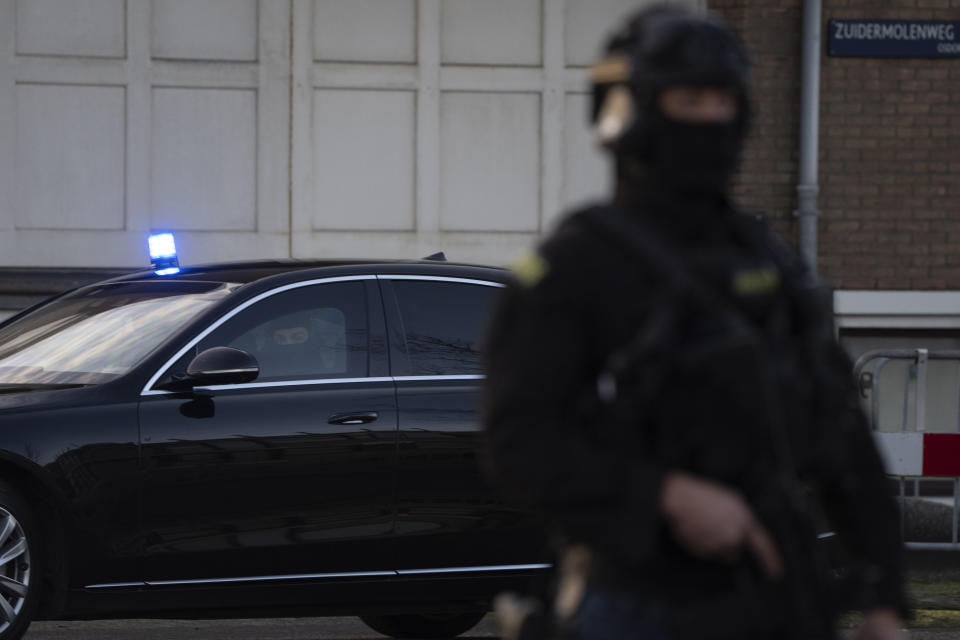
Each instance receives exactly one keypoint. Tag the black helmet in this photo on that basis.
(660, 47)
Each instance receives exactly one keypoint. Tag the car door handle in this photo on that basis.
(359, 417)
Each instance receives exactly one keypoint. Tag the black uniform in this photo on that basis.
(665, 332)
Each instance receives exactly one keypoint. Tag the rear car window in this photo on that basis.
(442, 325)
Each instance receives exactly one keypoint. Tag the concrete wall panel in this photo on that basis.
(70, 157)
(365, 30)
(204, 159)
(500, 32)
(74, 28)
(490, 161)
(204, 29)
(364, 159)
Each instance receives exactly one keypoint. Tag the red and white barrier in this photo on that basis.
(920, 454)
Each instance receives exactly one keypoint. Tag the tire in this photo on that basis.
(440, 625)
(20, 556)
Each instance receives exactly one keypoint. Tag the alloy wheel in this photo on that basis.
(14, 569)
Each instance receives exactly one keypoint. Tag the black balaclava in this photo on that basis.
(670, 46)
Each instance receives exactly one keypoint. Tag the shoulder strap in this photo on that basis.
(615, 228)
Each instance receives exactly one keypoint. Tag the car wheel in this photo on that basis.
(423, 626)
(19, 557)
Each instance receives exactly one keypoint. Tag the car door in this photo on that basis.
(286, 477)
(448, 515)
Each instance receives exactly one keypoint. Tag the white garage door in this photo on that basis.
(311, 128)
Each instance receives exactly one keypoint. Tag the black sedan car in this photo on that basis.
(271, 438)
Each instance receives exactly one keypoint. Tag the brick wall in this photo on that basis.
(889, 146)
(767, 180)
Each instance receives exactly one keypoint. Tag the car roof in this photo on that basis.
(252, 271)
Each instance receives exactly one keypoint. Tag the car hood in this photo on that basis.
(23, 396)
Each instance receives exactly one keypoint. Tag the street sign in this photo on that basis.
(894, 38)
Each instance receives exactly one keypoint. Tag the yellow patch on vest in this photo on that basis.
(752, 282)
(530, 268)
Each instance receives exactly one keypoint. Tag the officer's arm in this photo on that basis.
(855, 490)
(715, 522)
(544, 450)
(882, 624)
(847, 468)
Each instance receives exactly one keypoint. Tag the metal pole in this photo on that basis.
(906, 399)
(958, 397)
(956, 509)
(807, 187)
(903, 507)
(920, 390)
(875, 395)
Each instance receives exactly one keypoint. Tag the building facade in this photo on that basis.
(376, 128)
(889, 145)
(889, 180)
(303, 128)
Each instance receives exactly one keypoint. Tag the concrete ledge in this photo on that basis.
(897, 309)
(21, 287)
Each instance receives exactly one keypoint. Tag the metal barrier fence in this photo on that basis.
(927, 461)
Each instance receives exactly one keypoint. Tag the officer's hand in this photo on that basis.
(881, 624)
(715, 522)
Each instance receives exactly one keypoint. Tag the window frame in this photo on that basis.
(396, 333)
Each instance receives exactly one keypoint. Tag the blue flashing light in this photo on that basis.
(162, 246)
(163, 253)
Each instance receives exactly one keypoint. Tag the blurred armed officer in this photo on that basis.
(665, 387)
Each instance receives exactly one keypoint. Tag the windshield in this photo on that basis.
(99, 333)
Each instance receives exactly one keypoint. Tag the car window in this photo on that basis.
(442, 325)
(312, 332)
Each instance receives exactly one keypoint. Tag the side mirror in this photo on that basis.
(216, 365)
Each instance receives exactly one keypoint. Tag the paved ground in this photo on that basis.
(282, 629)
(273, 629)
